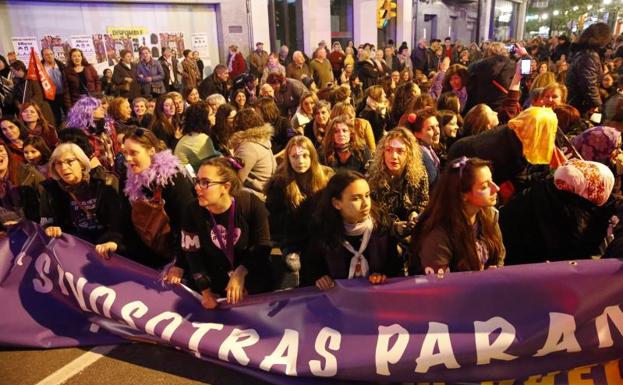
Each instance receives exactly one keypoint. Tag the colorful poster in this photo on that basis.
(553, 323)
(85, 44)
(22, 46)
(114, 47)
(99, 44)
(59, 46)
(175, 41)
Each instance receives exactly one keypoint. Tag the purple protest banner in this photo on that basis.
(533, 324)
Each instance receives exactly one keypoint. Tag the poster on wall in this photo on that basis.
(22, 46)
(173, 40)
(114, 46)
(85, 44)
(57, 45)
(131, 38)
(99, 44)
(200, 44)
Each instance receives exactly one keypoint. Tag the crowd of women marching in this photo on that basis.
(355, 163)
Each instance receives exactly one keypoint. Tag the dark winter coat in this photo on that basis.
(583, 78)
(74, 90)
(208, 263)
(480, 86)
(318, 259)
(56, 209)
(213, 85)
(127, 90)
(543, 223)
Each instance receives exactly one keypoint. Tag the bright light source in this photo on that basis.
(589, 7)
(576, 8)
(607, 2)
(556, 12)
(544, 16)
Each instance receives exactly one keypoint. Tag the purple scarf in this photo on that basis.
(164, 166)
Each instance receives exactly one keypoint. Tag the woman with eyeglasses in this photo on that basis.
(225, 236)
(459, 229)
(155, 178)
(78, 202)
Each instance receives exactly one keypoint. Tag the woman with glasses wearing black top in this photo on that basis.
(78, 202)
(225, 236)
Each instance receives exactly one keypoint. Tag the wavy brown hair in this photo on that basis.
(328, 147)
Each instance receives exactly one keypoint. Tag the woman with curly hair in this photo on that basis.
(398, 179)
(342, 148)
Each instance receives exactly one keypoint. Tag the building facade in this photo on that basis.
(300, 24)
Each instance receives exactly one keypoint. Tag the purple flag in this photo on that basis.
(546, 323)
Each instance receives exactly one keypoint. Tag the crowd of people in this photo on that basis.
(363, 162)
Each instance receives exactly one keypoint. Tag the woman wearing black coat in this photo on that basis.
(367, 71)
(586, 68)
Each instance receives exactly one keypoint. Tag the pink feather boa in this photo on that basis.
(164, 166)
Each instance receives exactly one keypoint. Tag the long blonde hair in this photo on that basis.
(379, 176)
(299, 187)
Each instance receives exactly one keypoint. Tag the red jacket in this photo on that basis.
(71, 86)
(238, 66)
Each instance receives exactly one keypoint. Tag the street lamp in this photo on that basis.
(556, 12)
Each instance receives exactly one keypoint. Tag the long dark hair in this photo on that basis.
(446, 209)
(221, 133)
(161, 120)
(23, 131)
(39, 144)
(327, 219)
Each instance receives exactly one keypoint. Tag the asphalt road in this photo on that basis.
(136, 364)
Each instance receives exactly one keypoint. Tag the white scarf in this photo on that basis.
(358, 263)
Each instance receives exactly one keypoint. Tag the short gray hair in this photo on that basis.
(216, 99)
(77, 152)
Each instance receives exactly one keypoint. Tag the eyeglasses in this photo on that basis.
(204, 183)
(68, 162)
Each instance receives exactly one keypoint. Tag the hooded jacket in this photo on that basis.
(253, 146)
